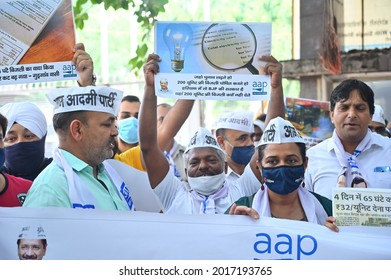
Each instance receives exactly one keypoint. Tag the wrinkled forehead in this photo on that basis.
(202, 152)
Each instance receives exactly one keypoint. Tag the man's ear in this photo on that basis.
(331, 114)
(220, 140)
(76, 130)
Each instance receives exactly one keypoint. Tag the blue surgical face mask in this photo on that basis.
(128, 130)
(25, 158)
(283, 179)
(2, 157)
(242, 155)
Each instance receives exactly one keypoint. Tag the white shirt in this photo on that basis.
(323, 166)
(232, 175)
(176, 198)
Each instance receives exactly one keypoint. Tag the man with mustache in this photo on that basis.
(354, 156)
(84, 120)
(32, 243)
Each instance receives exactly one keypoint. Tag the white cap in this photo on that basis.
(26, 114)
(378, 115)
(280, 131)
(32, 232)
(242, 121)
(260, 124)
(202, 138)
(91, 98)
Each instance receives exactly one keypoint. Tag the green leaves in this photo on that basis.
(146, 13)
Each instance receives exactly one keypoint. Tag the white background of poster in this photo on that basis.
(77, 234)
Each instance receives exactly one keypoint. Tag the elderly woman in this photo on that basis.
(282, 161)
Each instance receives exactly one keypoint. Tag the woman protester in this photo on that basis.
(282, 162)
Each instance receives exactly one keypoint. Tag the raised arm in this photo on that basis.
(276, 107)
(154, 159)
(173, 121)
(84, 64)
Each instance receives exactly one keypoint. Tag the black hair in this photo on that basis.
(262, 117)
(130, 98)
(343, 90)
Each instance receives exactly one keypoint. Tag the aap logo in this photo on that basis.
(284, 246)
(69, 71)
(259, 88)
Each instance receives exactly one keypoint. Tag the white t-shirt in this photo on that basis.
(176, 197)
(323, 166)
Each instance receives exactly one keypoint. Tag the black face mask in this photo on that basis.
(25, 158)
(2, 157)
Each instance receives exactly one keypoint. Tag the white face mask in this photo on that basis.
(207, 185)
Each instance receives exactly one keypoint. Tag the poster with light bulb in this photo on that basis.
(212, 60)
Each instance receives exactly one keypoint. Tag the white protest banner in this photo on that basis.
(361, 206)
(79, 234)
(212, 60)
(36, 41)
(140, 190)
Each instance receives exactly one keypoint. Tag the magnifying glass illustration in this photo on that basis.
(230, 46)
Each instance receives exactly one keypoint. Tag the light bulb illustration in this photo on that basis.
(177, 37)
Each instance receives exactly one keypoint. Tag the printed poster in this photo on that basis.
(311, 118)
(212, 60)
(37, 38)
(362, 207)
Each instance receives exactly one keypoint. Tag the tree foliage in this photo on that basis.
(146, 12)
